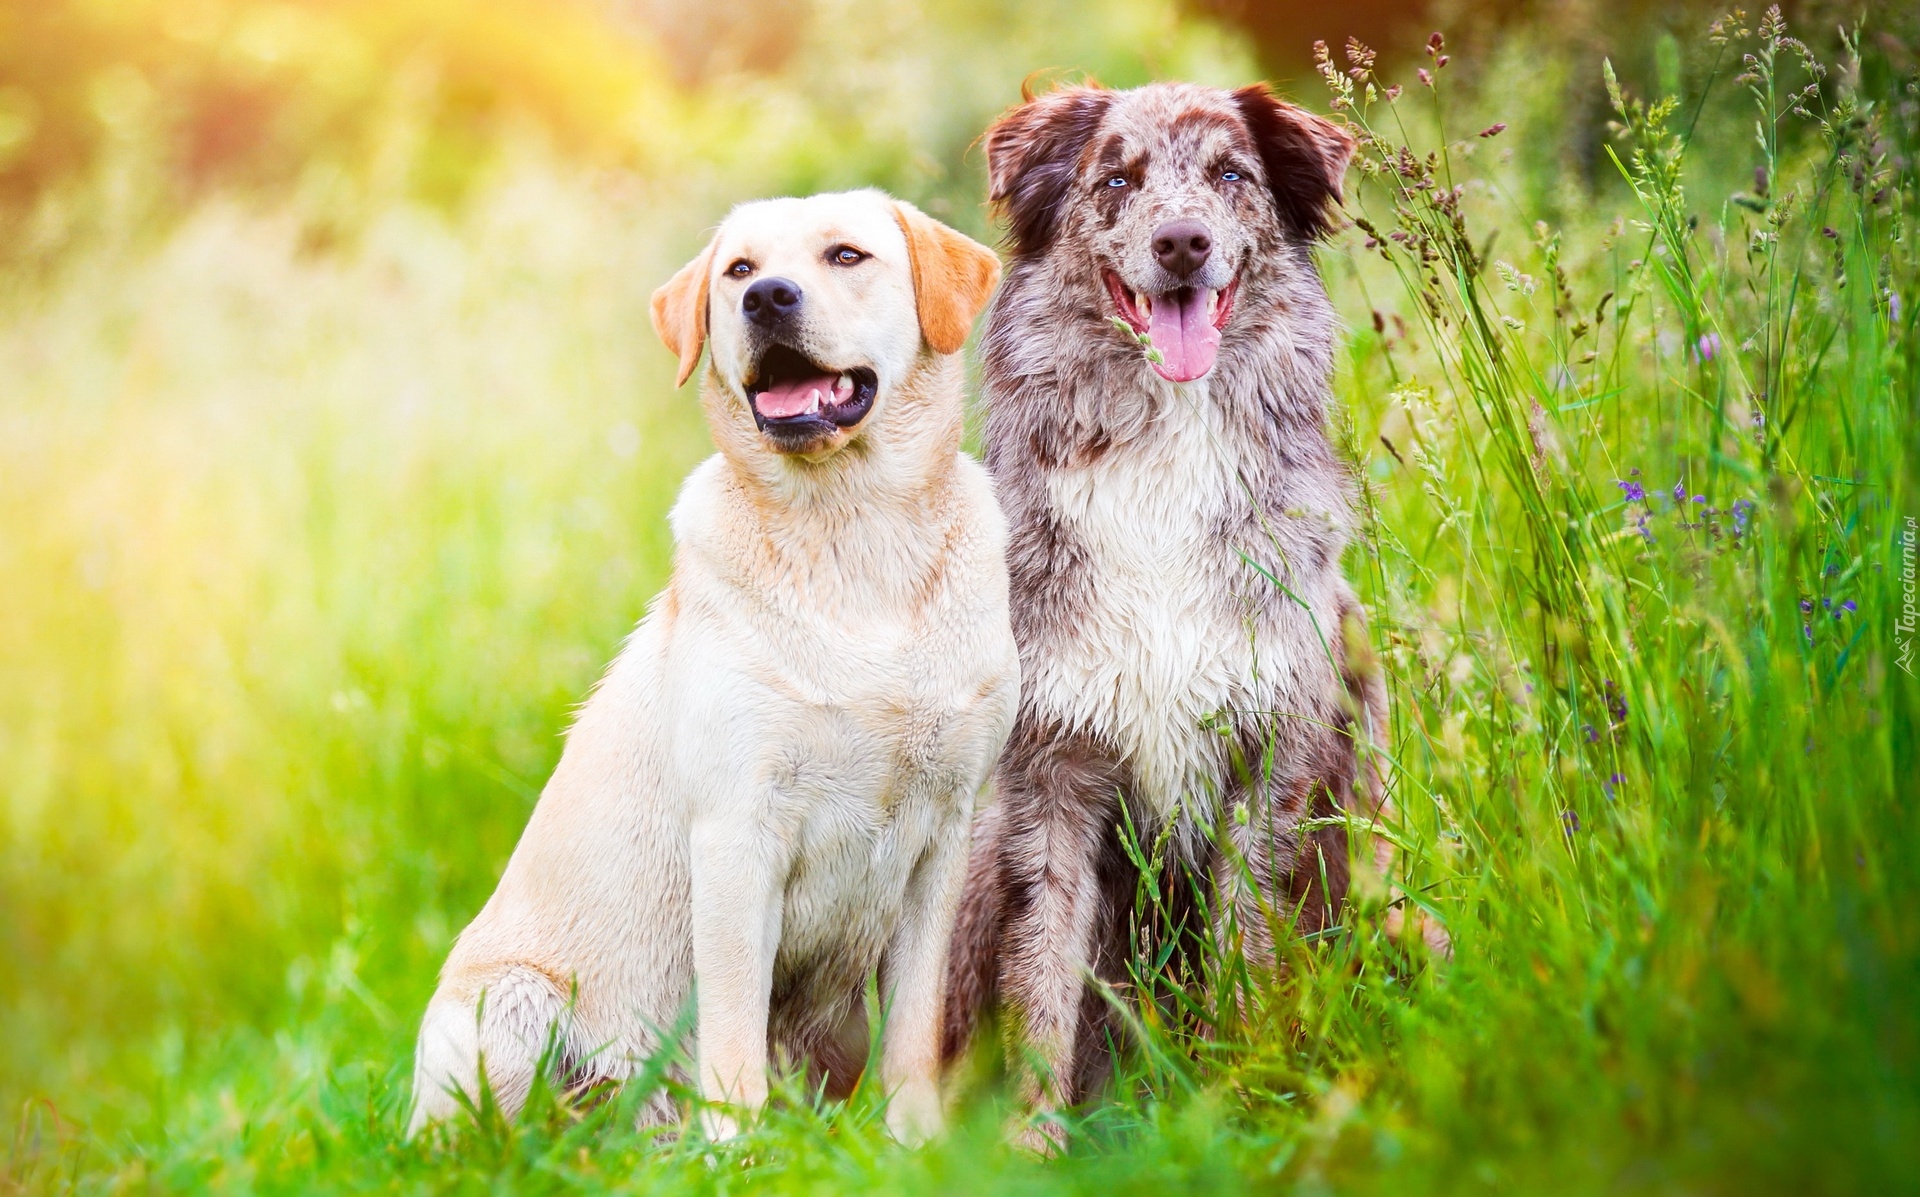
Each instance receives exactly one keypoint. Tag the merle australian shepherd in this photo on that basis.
(1157, 378)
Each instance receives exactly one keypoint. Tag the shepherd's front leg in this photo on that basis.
(1062, 794)
(737, 872)
(916, 967)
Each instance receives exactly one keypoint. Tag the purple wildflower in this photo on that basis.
(1635, 492)
(1708, 346)
(1742, 513)
(1593, 737)
(1616, 701)
(1613, 779)
(1680, 491)
(1806, 606)
(1572, 819)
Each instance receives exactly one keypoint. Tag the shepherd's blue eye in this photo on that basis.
(1229, 176)
(1117, 181)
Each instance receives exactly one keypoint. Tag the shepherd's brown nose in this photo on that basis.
(1182, 246)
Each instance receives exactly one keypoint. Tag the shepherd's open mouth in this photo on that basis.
(1184, 325)
(796, 399)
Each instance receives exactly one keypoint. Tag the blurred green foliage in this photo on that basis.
(277, 572)
(335, 451)
(340, 107)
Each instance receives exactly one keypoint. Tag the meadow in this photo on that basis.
(327, 491)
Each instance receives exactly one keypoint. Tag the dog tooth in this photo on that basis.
(1213, 302)
(1144, 304)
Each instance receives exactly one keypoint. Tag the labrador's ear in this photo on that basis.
(953, 276)
(680, 312)
(1303, 156)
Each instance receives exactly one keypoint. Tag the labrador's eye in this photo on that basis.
(845, 255)
(1229, 176)
(741, 268)
(1117, 181)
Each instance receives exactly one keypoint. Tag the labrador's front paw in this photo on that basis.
(914, 1114)
(718, 1124)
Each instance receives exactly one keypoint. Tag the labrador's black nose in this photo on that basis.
(770, 301)
(1181, 246)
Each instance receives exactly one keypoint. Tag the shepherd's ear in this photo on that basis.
(953, 276)
(1304, 157)
(1033, 153)
(680, 311)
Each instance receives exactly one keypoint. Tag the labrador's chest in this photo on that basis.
(885, 746)
(900, 708)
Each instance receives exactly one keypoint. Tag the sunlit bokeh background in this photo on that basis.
(335, 450)
(335, 446)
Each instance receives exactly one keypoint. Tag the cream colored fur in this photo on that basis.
(768, 797)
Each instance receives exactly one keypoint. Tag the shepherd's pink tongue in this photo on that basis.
(796, 397)
(1183, 334)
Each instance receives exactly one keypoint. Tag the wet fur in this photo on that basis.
(1154, 655)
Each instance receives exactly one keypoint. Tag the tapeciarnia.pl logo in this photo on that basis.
(1903, 628)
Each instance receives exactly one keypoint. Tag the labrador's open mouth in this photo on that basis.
(795, 399)
(1183, 325)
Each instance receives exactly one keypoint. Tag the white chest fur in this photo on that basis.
(862, 791)
(861, 714)
(1160, 647)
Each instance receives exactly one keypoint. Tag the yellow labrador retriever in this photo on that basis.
(769, 795)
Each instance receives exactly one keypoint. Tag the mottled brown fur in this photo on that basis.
(1149, 521)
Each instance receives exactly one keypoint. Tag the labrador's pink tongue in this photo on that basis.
(1186, 339)
(795, 397)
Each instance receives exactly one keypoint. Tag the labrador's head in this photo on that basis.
(817, 308)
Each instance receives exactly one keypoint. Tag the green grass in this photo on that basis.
(304, 558)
